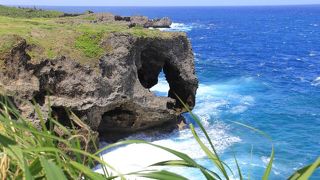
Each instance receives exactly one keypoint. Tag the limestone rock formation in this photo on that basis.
(105, 18)
(116, 97)
(145, 22)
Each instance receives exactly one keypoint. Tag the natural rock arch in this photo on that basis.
(151, 65)
(114, 96)
(152, 61)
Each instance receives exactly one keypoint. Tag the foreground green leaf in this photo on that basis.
(161, 175)
(5, 141)
(210, 155)
(269, 166)
(87, 171)
(306, 172)
(52, 171)
(181, 155)
(181, 163)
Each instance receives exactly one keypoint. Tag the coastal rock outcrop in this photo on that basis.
(130, 21)
(145, 22)
(116, 96)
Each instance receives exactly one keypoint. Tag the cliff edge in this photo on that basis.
(100, 71)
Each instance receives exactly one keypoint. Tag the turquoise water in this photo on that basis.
(256, 65)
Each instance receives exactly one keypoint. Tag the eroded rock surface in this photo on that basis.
(145, 22)
(114, 98)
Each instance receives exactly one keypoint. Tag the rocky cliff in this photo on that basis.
(114, 95)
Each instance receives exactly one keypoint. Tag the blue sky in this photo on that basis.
(157, 2)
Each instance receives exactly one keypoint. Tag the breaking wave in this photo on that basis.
(175, 27)
(135, 157)
(316, 82)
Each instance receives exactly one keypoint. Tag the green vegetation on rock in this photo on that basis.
(6, 44)
(75, 37)
(88, 43)
(28, 12)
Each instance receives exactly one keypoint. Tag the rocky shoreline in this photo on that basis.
(114, 97)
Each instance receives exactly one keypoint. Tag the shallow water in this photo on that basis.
(256, 65)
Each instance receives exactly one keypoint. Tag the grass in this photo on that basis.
(53, 37)
(88, 43)
(28, 12)
(27, 152)
(6, 44)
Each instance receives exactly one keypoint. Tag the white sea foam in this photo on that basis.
(162, 86)
(210, 107)
(212, 100)
(135, 157)
(316, 82)
(216, 98)
(238, 109)
(246, 100)
(177, 27)
(313, 53)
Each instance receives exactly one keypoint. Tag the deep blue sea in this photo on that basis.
(256, 65)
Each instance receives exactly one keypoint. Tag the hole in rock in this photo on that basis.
(162, 88)
(158, 73)
(62, 116)
(178, 86)
(117, 118)
(40, 98)
(150, 73)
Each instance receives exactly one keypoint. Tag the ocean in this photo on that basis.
(257, 65)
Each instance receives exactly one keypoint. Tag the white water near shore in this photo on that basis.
(177, 27)
(136, 157)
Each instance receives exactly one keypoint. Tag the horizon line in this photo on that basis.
(267, 5)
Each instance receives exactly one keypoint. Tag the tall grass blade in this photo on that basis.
(52, 171)
(198, 123)
(305, 172)
(254, 129)
(238, 167)
(40, 116)
(269, 166)
(35, 167)
(87, 171)
(96, 158)
(211, 156)
(204, 131)
(181, 155)
(161, 175)
(181, 163)
(16, 153)
(126, 142)
(5, 141)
